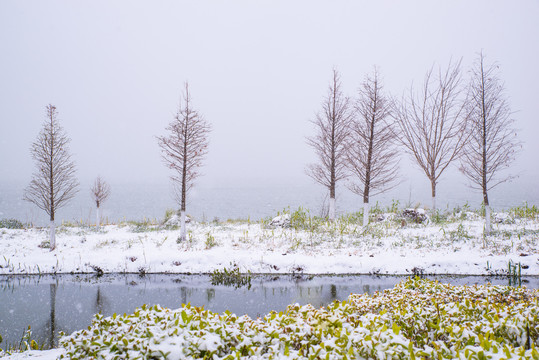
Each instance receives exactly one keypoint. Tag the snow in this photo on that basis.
(36, 354)
(342, 247)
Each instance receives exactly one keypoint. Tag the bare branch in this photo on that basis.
(432, 123)
(492, 144)
(100, 191)
(185, 146)
(53, 183)
(329, 143)
(371, 152)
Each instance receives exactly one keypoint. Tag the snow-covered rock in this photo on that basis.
(175, 220)
(416, 215)
(281, 220)
(503, 218)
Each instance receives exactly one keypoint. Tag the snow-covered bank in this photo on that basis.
(453, 245)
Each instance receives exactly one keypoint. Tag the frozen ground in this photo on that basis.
(452, 244)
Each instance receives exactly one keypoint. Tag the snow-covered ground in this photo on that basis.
(453, 245)
(391, 245)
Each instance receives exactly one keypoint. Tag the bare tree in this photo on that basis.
(371, 152)
(100, 191)
(184, 149)
(330, 140)
(492, 144)
(54, 183)
(433, 123)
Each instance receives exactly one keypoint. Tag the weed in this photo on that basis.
(439, 217)
(210, 241)
(231, 277)
(169, 213)
(26, 343)
(394, 207)
(459, 234)
(524, 211)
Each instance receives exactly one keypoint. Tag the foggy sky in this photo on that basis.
(258, 72)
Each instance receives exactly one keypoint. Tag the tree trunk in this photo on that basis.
(487, 219)
(433, 194)
(53, 235)
(183, 236)
(366, 210)
(332, 208)
(487, 212)
(97, 219)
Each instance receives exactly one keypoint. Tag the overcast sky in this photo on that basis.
(258, 71)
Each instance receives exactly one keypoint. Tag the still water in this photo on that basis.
(67, 303)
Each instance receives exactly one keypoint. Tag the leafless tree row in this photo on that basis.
(443, 121)
(356, 140)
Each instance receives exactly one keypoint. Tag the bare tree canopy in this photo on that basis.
(184, 149)
(492, 144)
(54, 183)
(100, 191)
(372, 156)
(330, 140)
(433, 123)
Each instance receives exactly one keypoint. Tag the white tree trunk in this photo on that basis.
(183, 236)
(366, 210)
(97, 219)
(331, 209)
(53, 236)
(487, 219)
(434, 203)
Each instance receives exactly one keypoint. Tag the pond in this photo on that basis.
(67, 303)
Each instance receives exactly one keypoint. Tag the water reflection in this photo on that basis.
(68, 302)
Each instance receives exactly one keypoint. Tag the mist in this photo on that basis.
(258, 72)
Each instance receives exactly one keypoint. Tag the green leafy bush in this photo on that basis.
(418, 319)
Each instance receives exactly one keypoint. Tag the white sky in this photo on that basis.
(258, 71)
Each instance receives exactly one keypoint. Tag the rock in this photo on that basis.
(175, 220)
(281, 221)
(503, 218)
(416, 215)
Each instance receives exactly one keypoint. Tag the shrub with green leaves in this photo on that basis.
(418, 319)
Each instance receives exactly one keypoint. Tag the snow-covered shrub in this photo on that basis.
(11, 224)
(418, 319)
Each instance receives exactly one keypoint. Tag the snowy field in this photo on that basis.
(452, 243)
